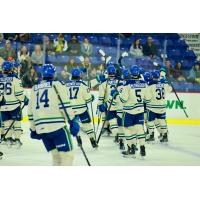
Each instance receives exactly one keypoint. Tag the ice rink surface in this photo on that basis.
(183, 149)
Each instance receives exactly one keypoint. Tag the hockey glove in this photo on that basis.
(26, 101)
(103, 108)
(35, 136)
(74, 127)
(101, 78)
(114, 93)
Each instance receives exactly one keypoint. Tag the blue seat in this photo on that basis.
(111, 51)
(105, 41)
(51, 59)
(128, 61)
(62, 59)
(94, 39)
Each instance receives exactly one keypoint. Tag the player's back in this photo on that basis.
(46, 108)
(132, 96)
(12, 92)
(157, 91)
(79, 94)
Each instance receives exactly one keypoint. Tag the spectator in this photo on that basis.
(37, 56)
(86, 48)
(73, 46)
(25, 60)
(150, 49)
(60, 44)
(64, 76)
(71, 64)
(1, 37)
(7, 51)
(169, 70)
(22, 37)
(93, 73)
(86, 63)
(194, 75)
(23, 54)
(50, 49)
(30, 78)
(136, 48)
(178, 73)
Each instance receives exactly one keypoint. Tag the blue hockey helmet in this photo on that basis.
(135, 70)
(76, 72)
(156, 74)
(7, 66)
(141, 70)
(111, 69)
(126, 73)
(147, 76)
(48, 70)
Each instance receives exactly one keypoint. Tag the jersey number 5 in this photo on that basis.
(42, 99)
(138, 95)
(73, 92)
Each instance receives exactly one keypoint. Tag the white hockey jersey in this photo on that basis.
(12, 92)
(132, 95)
(79, 94)
(46, 113)
(157, 91)
(105, 90)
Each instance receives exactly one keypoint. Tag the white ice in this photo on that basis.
(183, 149)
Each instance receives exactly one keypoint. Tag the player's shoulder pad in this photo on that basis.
(82, 82)
(62, 82)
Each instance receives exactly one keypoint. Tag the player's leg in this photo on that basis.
(88, 127)
(64, 146)
(130, 134)
(163, 127)
(139, 122)
(151, 118)
(7, 121)
(17, 133)
(112, 118)
(51, 147)
(120, 132)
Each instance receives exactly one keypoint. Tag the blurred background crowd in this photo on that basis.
(65, 51)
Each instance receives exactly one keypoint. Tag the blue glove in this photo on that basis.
(35, 136)
(74, 127)
(103, 108)
(26, 101)
(101, 78)
(114, 93)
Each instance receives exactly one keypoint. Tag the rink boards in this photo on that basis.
(175, 114)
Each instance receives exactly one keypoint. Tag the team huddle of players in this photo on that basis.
(136, 98)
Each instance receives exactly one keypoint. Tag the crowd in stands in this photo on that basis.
(81, 52)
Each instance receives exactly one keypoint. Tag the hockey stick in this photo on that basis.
(78, 138)
(119, 62)
(178, 99)
(11, 125)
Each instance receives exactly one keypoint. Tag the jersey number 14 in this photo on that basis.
(43, 98)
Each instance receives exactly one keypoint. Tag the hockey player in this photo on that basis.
(132, 96)
(121, 135)
(105, 99)
(157, 106)
(80, 96)
(48, 120)
(11, 99)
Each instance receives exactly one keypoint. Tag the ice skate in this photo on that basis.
(142, 151)
(17, 143)
(130, 152)
(150, 138)
(121, 144)
(164, 138)
(93, 143)
(1, 155)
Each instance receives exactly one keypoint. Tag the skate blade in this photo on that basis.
(129, 156)
(141, 157)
